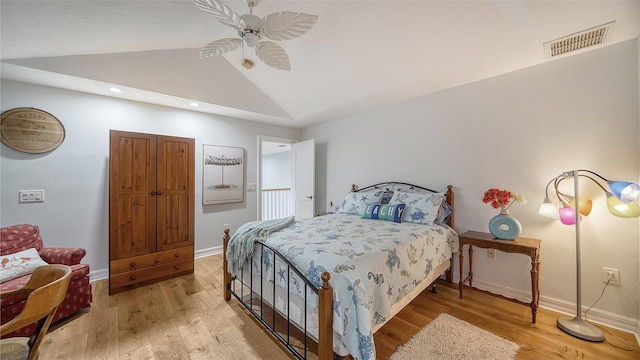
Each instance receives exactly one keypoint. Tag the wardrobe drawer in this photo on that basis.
(150, 260)
(163, 271)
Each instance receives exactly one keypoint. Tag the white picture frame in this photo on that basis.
(222, 174)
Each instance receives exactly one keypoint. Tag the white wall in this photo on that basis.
(75, 175)
(276, 170)
(516, 132)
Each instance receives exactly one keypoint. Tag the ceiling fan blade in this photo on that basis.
(220, 47)
(287, 25)
(273, 55)
(221, 12)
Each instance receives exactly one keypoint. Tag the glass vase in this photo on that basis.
(504, 226)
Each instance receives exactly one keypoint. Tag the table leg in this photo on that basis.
(535, 266)
(470, 266)
(538, 280)
(460, 262)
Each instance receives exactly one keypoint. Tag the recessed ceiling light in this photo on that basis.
(115, 90)
(195, 104)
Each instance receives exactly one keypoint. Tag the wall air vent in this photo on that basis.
(581, 40)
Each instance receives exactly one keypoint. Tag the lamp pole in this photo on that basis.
(576, 186)
(577, 326)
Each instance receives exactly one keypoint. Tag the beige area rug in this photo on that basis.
(447, 337)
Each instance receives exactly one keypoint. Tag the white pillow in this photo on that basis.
(21, 263)
(355, 202)
(421, 208)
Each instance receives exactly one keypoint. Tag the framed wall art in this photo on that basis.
(223, 175)
(31, 130)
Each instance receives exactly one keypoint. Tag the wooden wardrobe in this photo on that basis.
(151, 208)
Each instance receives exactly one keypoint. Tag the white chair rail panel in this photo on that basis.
(276, 203)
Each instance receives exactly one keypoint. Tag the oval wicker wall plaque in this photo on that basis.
(31, 130)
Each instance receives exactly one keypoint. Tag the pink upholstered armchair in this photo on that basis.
(17, 238)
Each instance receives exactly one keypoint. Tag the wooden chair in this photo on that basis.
(46, 290)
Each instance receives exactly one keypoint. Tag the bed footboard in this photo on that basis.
(325, 307)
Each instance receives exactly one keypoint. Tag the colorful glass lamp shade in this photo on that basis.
(620, 209)
(624, 190)
(567, 215)
(548, 209)
(585, 206)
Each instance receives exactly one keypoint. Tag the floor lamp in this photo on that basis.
(620, 196)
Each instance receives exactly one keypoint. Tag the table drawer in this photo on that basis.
(150, 260)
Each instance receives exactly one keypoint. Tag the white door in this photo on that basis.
(303, 162)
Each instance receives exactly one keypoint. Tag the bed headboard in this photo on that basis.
(392, 186)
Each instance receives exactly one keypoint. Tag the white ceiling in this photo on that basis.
(359, 55)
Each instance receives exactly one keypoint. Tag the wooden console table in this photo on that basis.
(526, 246)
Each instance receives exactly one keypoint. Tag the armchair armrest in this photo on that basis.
(62, 255)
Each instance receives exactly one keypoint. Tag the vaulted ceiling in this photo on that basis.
(359, 55)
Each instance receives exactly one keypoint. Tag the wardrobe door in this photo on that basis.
(176, 192)
(132, 195)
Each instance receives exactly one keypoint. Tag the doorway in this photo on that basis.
(286, 178)
(275, 198)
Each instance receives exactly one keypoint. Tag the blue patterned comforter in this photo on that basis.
(373, 264)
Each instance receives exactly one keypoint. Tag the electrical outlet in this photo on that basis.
(611, 274)
(491, 253)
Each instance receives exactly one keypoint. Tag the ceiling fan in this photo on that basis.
(278, 26)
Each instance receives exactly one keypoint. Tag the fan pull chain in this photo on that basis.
(246, 62)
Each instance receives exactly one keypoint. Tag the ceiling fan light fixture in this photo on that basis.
(251, 38)
(284, 25)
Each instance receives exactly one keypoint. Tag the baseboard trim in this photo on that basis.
(208, 251)
(96, 275)
(598, 316)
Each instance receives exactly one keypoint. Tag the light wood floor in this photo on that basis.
(187, 318)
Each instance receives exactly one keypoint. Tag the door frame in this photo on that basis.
(261, 139)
